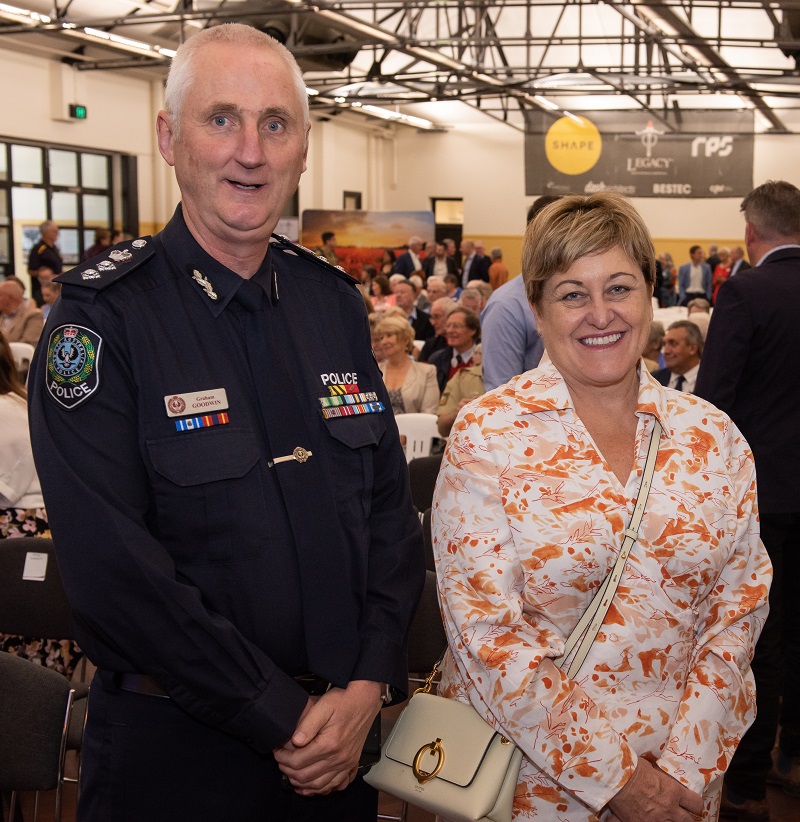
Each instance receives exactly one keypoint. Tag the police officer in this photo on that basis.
(224, 480)
(44, 254)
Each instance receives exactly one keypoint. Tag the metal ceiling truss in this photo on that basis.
(498, 57)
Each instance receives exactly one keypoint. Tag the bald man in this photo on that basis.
(20, 320)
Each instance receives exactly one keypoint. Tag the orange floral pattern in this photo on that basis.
(527, 522)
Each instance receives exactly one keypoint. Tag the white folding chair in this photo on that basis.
(420, 430)
(23, 354)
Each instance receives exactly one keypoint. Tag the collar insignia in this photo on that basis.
(203, 282)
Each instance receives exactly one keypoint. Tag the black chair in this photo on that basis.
(37, 716)
(35, 605)
(422, 472)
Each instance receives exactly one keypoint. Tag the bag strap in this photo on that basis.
(583, 635)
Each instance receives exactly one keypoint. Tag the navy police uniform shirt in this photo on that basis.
(224, 479)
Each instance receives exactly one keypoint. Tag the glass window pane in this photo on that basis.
(63, 167)
(29, 204)
(68, 245)
(3, 162)
(64, 206)
(94, 171)
(26, 164)
(3, 208)
(96, 210)
(4, 245)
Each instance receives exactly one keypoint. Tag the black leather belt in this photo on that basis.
(139, 684)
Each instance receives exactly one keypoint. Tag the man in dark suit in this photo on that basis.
(409, 261)
(683, 347)
(476, 266)
(439, 264)
(406, 296)
(746, 371)
(738, 262)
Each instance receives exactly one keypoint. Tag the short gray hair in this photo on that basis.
(237, 34)
(693, 334)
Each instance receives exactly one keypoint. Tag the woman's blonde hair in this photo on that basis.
(577, 226)
(398, 327)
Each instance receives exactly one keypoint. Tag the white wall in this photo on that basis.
(119, 114)
(393, 169)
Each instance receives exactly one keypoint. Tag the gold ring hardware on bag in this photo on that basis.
(436, 749)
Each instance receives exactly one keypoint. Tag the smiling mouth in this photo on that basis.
(246, 186)
(607, 339)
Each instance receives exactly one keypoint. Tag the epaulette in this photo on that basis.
(286, 245)
(108, 268)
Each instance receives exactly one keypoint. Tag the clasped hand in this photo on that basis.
(322, 755)
(652, 795)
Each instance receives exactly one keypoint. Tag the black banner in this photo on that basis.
(707, 154)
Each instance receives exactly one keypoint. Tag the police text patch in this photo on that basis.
(72, 364)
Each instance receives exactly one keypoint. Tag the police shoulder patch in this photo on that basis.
(109, 267)
(73, 355)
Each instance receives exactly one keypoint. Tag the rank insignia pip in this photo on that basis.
(72, 365)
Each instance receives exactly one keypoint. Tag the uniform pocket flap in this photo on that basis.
(204, 456)
(357, 432)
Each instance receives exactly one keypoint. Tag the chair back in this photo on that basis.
(32, 598)
(422, 473)
(23, 354)
(35, 703)
(420, 430)
(426, 639)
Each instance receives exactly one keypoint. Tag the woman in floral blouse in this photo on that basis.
(538, 483)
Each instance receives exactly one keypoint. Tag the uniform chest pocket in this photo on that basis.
(209, 495)
(354, 442)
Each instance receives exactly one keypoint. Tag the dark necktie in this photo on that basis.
(679, 382)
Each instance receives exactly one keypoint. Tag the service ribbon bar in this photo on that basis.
(352, 410)
(205, 421)
(348, 399)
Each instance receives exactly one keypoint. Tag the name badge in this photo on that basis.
(201, 402)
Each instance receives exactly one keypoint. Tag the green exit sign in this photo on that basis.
(77, 112)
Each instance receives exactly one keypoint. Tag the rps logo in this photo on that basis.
(710, 146)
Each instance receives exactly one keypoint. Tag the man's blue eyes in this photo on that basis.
(273, 126)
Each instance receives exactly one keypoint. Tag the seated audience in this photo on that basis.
(20, 322)
(485, 290)
(435, 288)
(683, 347)
(466, 385)
(422, 302)
(22, 511)
(102, 242)
(405, 297)
(382, 297)
(411, 385)
(700, 313)
(452, 289)
(472, 299)
(440, 311)
(462, 332)
(50, 292)
(652, 351)
(386, 262)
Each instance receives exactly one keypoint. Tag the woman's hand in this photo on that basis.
(652, 795)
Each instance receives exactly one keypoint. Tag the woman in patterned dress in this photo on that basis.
(22, 511)
(537, 485)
